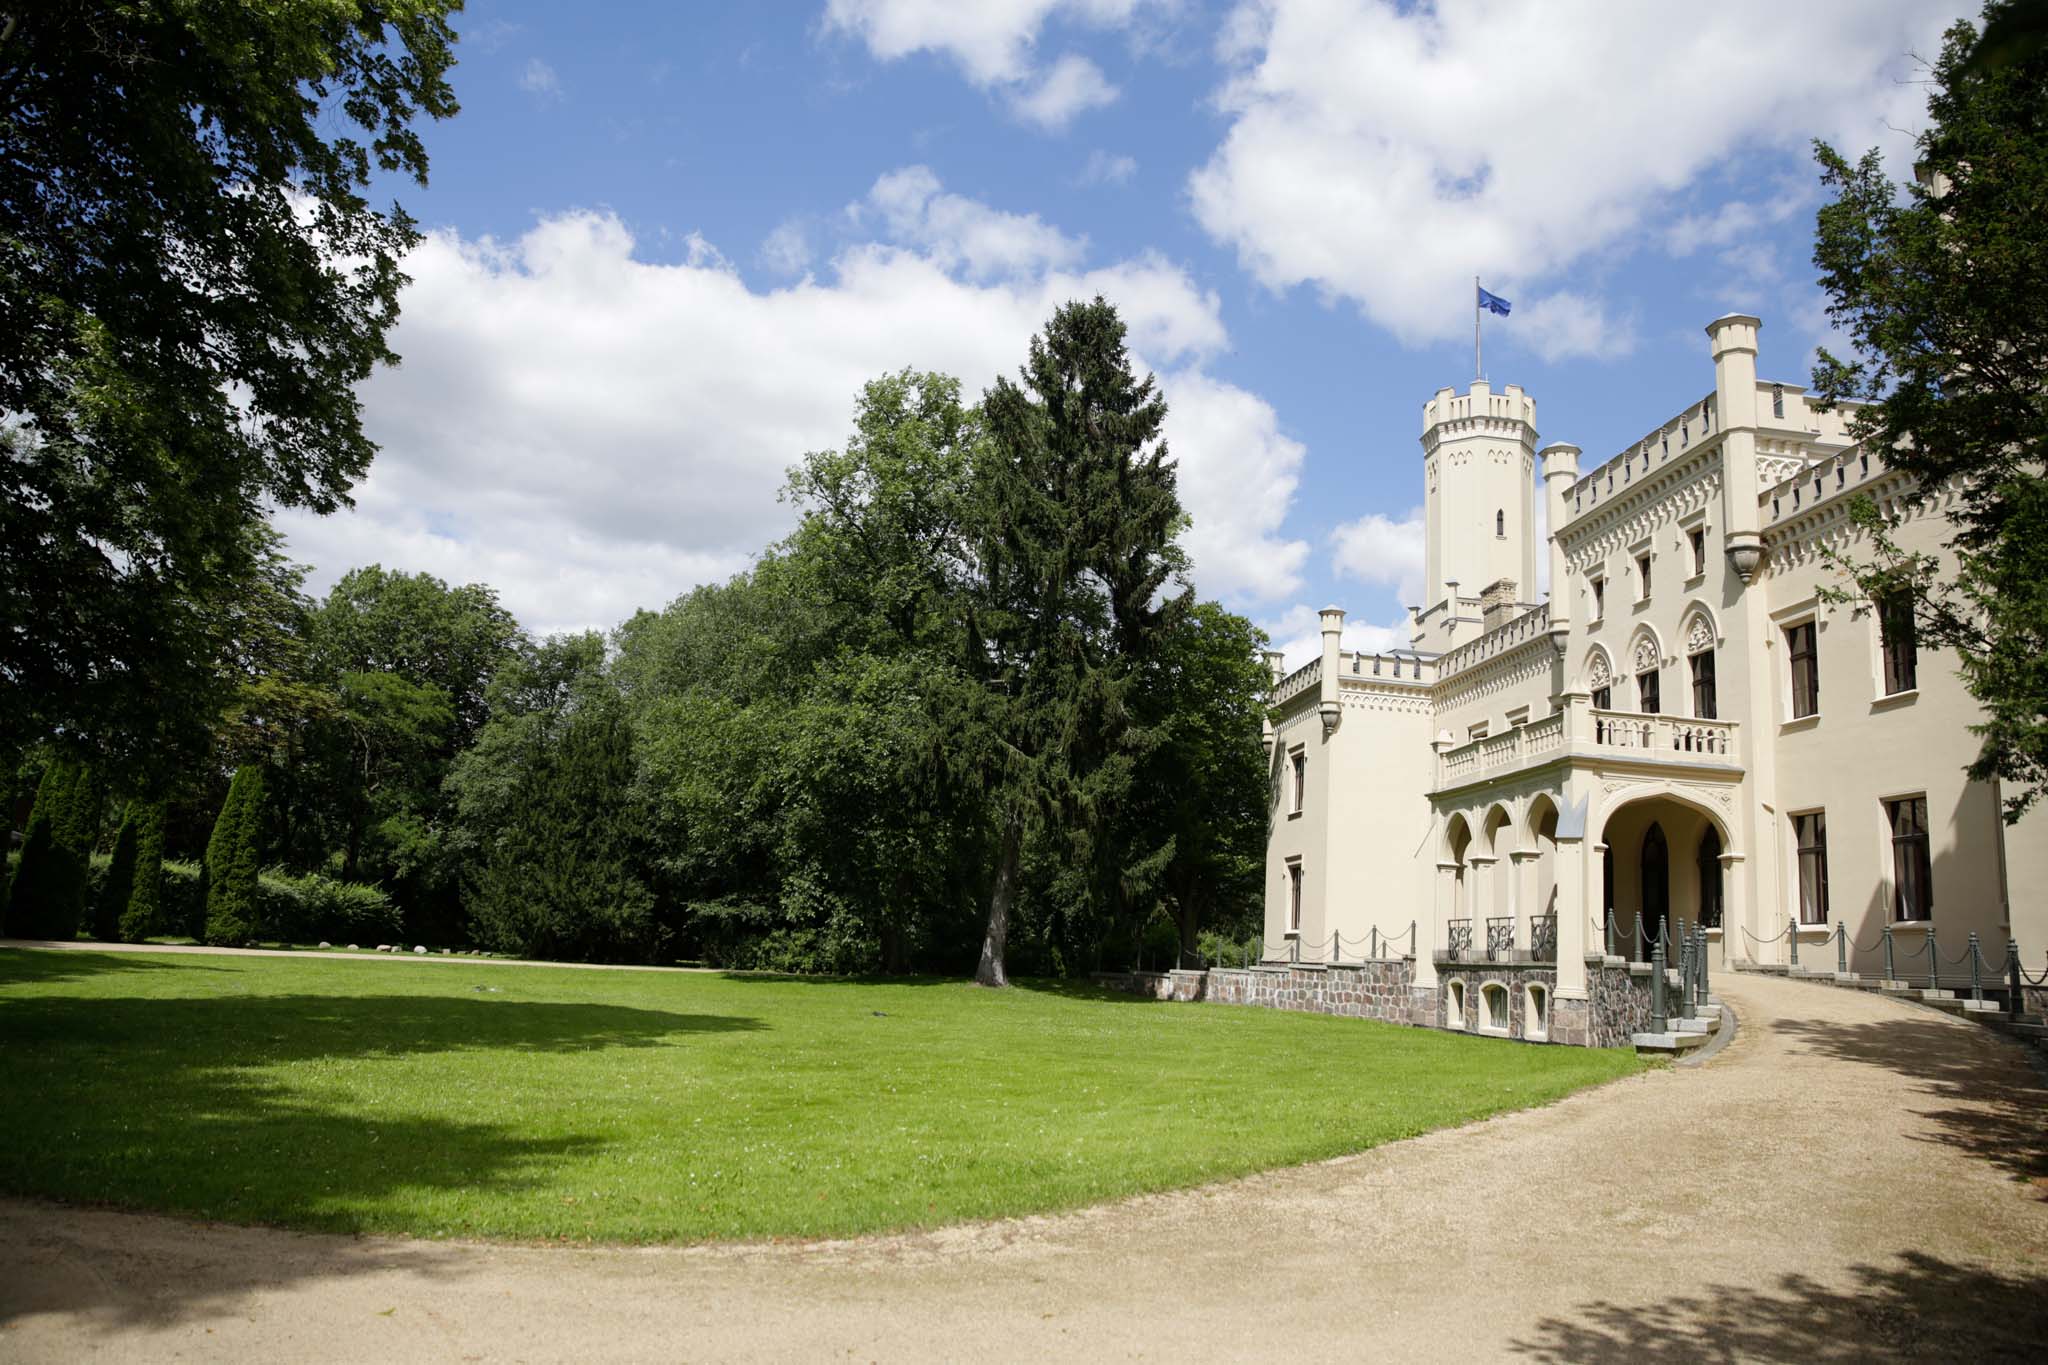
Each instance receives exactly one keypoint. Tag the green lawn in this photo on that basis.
(470, 1100)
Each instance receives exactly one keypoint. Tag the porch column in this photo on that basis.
(1596, 895)
(1479, 895)
(1522, 893)
(1571, 917)
(1735, 911)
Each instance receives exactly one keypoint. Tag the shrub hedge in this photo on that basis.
(291, 908)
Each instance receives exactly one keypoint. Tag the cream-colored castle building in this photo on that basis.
(1682, 730)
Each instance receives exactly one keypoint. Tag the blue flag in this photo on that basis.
(1493, 303)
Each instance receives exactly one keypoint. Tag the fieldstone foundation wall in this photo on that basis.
(1618, 999)
(1617, 1003)
(1514, 979)
(1383, 989)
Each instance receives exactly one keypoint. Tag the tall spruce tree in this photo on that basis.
(1076, 512)
(565, 875)
(233, 860)
(142, 913)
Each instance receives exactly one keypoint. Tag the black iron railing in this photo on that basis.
(1460, 942)
(1543, 937)
(1500, 938)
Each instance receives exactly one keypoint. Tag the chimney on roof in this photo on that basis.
(1497, 603)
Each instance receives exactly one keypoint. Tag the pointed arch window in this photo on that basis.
(1500, 524)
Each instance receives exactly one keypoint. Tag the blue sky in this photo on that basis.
(668, 242)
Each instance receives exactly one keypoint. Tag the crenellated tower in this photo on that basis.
(1479, 480)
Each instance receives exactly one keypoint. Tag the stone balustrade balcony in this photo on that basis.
(1582, 733)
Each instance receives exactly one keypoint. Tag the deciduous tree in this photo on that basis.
(1942, 286)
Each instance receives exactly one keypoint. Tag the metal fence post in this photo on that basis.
(1933, 960)
(1375, 936)
(1642, 953)
(1976, 969)
(1792, 937)
(1705, 995)
(1659, 1020)
(1890, 972)
(1414, 944)
(1841, 948)
(2016, 1001)
(1294, 949)
(1684, 972)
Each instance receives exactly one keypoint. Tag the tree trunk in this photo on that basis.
(1190, 932)
(990, 972)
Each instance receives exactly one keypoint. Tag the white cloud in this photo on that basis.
(993, 42)
(1386, 152)
(1297, 633)
(1377, 549)
(539, 80)
(1105, 168)
(592, 432)
(962, 232)
(1069, 87)
(787, 250)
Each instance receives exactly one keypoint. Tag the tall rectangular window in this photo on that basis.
(1811, 833)
(1651, 695)
(1599, 597)
(1912, 874)
(1800, 645)
(1901, 643)
(1603, 699)
(1643, 573)
(1294, 898)
(1297, 763)
(1698, 538)
(1703, 700)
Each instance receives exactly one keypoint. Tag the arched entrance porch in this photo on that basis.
(1662, 867)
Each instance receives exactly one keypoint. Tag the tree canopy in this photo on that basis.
(194, 285)
(1940, 286)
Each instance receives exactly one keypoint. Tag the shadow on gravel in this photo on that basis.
(1917, 1308)
(1995, 1108)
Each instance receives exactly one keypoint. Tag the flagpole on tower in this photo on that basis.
(1478, 372)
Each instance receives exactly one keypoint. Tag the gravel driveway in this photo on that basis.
(1854, 1178)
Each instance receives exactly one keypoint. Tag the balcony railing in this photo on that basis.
(1580, 730)
(1543, 937)
(1460, 940)
(1500, 938)
(1654, 734)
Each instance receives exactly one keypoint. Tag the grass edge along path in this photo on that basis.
(343, 1096)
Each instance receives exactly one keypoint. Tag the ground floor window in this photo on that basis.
(1810, 832)
(1912, 876)
(1294, 898)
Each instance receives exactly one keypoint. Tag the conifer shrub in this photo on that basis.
(110, 898)
(233, 905)
(49, 885)
(143, 910)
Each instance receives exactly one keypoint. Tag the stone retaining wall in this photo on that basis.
(1617, 1003)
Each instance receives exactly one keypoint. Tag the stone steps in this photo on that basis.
(1670, 1044)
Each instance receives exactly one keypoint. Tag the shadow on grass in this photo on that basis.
(179, 1104)
(1990, 1104)
(63, 964)
(1917, 1308)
